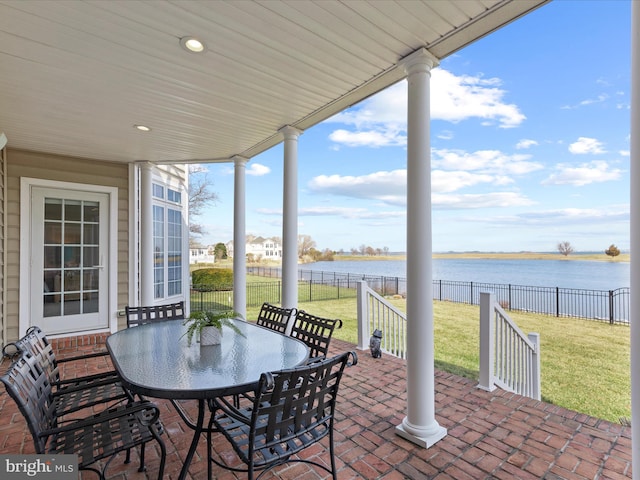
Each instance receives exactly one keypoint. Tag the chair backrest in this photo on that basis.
(295, 408)
(315, 331)
(36, 344)
(275, 318)
(28, 386)
(154, 313)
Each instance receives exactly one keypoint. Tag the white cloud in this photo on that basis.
(378, 185)
(593, 172)
(446, 135)
(586, 145)
(565, 216)
(368, 138)
(344, 212)
(482, 200)
(485, 161)
(625, 153)
(442, 182)
(459, 98)
(390, 188)
(257, 169)
(381, 120)
(589, 101)
(526, 143)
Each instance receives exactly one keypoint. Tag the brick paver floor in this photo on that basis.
(490, 434)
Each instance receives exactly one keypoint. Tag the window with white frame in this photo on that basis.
(167, 241)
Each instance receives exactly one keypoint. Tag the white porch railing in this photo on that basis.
(508, 358)
(374, 312)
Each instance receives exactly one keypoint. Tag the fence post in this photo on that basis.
(487, 301)
(363, 315)
(557, 302)
(535, 367)
(611, 314)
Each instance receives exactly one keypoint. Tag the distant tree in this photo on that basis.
(305, 244)
(327, 255)
(362, 249)
(220, 251)
(370, 251)
(385, 250)
(354, 251)
(612, 251)
(200, 197)
(565, 248)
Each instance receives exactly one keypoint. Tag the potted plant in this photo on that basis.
(208, 325)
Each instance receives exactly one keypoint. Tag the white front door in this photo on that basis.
(69, 259)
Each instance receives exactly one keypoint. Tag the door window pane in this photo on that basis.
(91, 212)
(91, 234)
(70, 281)
(72, 210)
(52, 232)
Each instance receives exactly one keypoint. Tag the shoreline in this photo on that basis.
(591, 257)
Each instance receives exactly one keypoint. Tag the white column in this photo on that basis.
(420, 425)
(239, 237)
(635, 238)
(146, 235)
(290, 218)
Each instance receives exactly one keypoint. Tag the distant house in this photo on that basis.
(201, 254)
(260, 247)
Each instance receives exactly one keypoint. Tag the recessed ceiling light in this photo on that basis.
(142, 128)
(192, 44)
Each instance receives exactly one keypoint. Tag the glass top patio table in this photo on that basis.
(155, 360)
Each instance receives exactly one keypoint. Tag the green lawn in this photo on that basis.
(585, 364)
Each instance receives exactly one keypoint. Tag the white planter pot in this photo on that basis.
(210, 336)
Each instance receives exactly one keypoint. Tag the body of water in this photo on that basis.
(544, 273)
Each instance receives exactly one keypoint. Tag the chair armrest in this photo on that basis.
(82, 357)
(102, 417)
(82, 383)
(221, 403)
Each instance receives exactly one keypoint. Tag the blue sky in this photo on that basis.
(530, 147)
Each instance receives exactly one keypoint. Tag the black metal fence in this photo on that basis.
(602, 305)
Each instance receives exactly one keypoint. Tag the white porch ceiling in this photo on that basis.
(75, 76)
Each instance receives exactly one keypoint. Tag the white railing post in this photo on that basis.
(486, 382)
(363, 315)
(535, 374)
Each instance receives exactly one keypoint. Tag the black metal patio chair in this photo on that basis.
(315, 331)
(292, 410)
(275, 318)
(154, 313)
(72, 394)
(92, 438)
